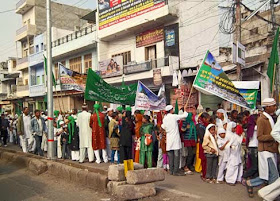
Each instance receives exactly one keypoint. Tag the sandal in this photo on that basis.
(249, 190)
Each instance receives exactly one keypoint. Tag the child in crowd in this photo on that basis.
(234, 166)
(211, 152)
(114, 136)
(58, 133)
(64, 141)
(223, 154)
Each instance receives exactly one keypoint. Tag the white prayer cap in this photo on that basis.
(110, 109)
(61, 123)
(168, 107)
(84, 106)
(221, 130)
(105, 107)
(268, 102)
(233, 125)
(220, 111)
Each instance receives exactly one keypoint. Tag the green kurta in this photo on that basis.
(146, 151)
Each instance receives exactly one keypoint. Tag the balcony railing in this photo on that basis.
(22, 88)
(74, 35)
(26, 30)
(22, 29)
(22, 60)
(36, 58)
(146, 66)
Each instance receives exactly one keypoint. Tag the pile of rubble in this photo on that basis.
(138, 183)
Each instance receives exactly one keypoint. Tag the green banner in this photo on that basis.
(211, 79)
(99, 90)
(250, 96)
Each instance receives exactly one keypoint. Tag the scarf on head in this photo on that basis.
(189, 120)
(225, 117)
(56, 113)
(213, 140)
(71, 128)
(229, 132)
(96, 108)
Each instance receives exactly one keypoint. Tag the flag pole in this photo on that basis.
(50, 84)
(273, 82)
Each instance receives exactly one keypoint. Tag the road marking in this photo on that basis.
(179, 192)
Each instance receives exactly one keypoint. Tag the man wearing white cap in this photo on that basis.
(267, 147)
(272, 191)
(85, 135)
(173, 140)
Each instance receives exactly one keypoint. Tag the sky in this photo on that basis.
(10, 22)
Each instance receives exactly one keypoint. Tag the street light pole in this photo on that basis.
(50, 83)
(238, 36)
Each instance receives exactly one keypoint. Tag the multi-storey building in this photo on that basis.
(30, 50)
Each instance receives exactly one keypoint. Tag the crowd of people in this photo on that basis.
(223, 146)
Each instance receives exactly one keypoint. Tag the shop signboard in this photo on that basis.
(150, 37)
(136, 68)
(112, 12)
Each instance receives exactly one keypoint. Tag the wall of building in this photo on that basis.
(29, 15)
(63, 16)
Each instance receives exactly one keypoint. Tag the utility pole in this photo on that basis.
(238, 35)
(276, 80)
(50, 83)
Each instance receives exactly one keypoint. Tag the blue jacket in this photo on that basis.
(35, 126)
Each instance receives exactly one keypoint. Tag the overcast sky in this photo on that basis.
(10, 22)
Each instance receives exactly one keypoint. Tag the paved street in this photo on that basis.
(19, 184)
(46, 187)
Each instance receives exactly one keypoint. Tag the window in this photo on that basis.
(42, 46)
(38, 80)
(150, 54)
(76, 64)
(88, 62)
(37, 48)
(43, 79)
(126, 57)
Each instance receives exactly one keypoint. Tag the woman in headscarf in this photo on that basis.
(73, 139)
(222, 118)
(188, 130)
(127, 132)
(252, 144)
(211, 152)
(98, 134)
(138, 123)
(146, 149)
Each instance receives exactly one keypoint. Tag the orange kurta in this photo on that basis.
(98, 133)
(138, 124)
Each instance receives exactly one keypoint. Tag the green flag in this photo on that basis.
(274, 59)
(99, 90)
(176, 108)
(45, 64)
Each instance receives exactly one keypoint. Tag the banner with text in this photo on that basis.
(211, 79)
(115, 11)
(99, 90)
(71, 80)
(147, 100)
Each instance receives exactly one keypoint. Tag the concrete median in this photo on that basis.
(38, 165)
